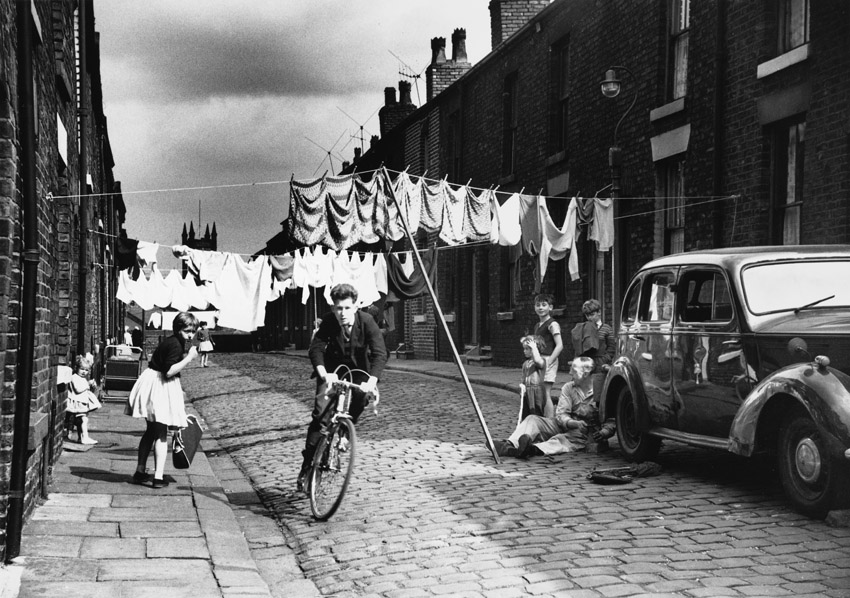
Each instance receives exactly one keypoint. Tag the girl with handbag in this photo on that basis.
(157, 396)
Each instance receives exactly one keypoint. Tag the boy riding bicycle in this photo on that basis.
(348, 337)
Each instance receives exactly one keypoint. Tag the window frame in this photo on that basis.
(687, 275)
(678, 44)
(671, 178)
(782, 141)
(645, 295)
(787, 30)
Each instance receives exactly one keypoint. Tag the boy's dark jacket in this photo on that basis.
(369, 352)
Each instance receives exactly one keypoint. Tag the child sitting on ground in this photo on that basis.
(82, 400)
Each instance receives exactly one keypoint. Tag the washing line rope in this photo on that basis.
(431, 180)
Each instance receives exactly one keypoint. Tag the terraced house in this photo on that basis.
(59, 208)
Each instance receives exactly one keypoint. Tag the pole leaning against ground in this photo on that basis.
(442, 318)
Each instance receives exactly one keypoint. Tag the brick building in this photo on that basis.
(47, 170)
(726, 98)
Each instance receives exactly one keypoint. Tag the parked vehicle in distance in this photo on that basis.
(745, 350)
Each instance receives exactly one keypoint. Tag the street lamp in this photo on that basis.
(611, 87)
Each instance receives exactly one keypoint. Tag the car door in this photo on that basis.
(709, 365)
(652, 335)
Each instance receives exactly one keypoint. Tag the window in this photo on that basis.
(793, 24)
(704, 297)
(562, 81)
(425, 145)
(510, 280)
(509, 124)
(677, 61)
(658, 302)
(672, 191)
(788, 142)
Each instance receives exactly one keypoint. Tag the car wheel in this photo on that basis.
(636, 445)
(812, 480)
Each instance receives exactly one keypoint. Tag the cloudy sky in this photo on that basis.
(202, 93)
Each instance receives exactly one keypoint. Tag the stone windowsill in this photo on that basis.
(449, 317)
(668, 109)
(783, 61)
(419, 319)
(556, 158)
(505, 315)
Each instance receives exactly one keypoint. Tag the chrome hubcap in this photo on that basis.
(808, 460)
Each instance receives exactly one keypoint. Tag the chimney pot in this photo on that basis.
(438, 50)
(459, 46)
(389, 96)
(404, 93)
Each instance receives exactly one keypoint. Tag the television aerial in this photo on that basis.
(360, 125)
(408, 72)
(329, 152)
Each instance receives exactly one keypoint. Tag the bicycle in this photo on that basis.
(333, 461)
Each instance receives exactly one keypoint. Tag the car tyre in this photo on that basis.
(636, 445)
(813, 481)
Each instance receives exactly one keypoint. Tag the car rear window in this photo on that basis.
(786, 286)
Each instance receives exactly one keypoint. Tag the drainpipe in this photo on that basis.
(23, 382)
(719, 82)
(84, 200)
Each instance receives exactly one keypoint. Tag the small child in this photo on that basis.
(82, 399)
(205, 344)
(550, 331)
(534, 396)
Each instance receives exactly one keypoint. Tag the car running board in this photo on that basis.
(692, 439)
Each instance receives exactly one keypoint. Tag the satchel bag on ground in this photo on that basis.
(185, 443)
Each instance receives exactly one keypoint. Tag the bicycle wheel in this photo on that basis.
(333, 464)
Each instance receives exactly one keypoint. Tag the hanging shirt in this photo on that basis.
(282, 267)
(179, 296)
(125, 253)
(556, 242)
(159, 291)
(453, 212)
(602, 227)
(529, 215)
(312, 268)
(146, 253)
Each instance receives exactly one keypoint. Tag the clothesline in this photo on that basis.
(494, 188)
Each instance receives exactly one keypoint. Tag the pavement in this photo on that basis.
(205, 535)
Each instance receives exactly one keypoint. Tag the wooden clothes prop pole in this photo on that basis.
(442, 318)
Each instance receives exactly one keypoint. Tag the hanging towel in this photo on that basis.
(454, 209)
(476, 218)
(402, 286)
(381, 273)
(408, 195)
(602, 227)
(196, 295)
(371, 215)
(243, 290)
(393, 228)
(344, 227)
(307, 218)
(130, 290)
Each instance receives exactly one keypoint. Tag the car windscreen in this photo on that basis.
(796, 285)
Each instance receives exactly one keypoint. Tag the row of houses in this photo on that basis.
(731, 128)
(60, 210)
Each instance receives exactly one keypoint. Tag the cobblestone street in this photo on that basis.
(429, 512)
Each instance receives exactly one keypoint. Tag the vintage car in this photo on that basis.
(745, 350)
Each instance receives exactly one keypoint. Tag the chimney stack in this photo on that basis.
(508, 16)
(441, 72)
(392, 113)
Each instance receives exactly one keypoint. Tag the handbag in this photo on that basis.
(185, 442)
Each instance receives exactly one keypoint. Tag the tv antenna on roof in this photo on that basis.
(408, 72)
(354, 120)
(329, 152)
